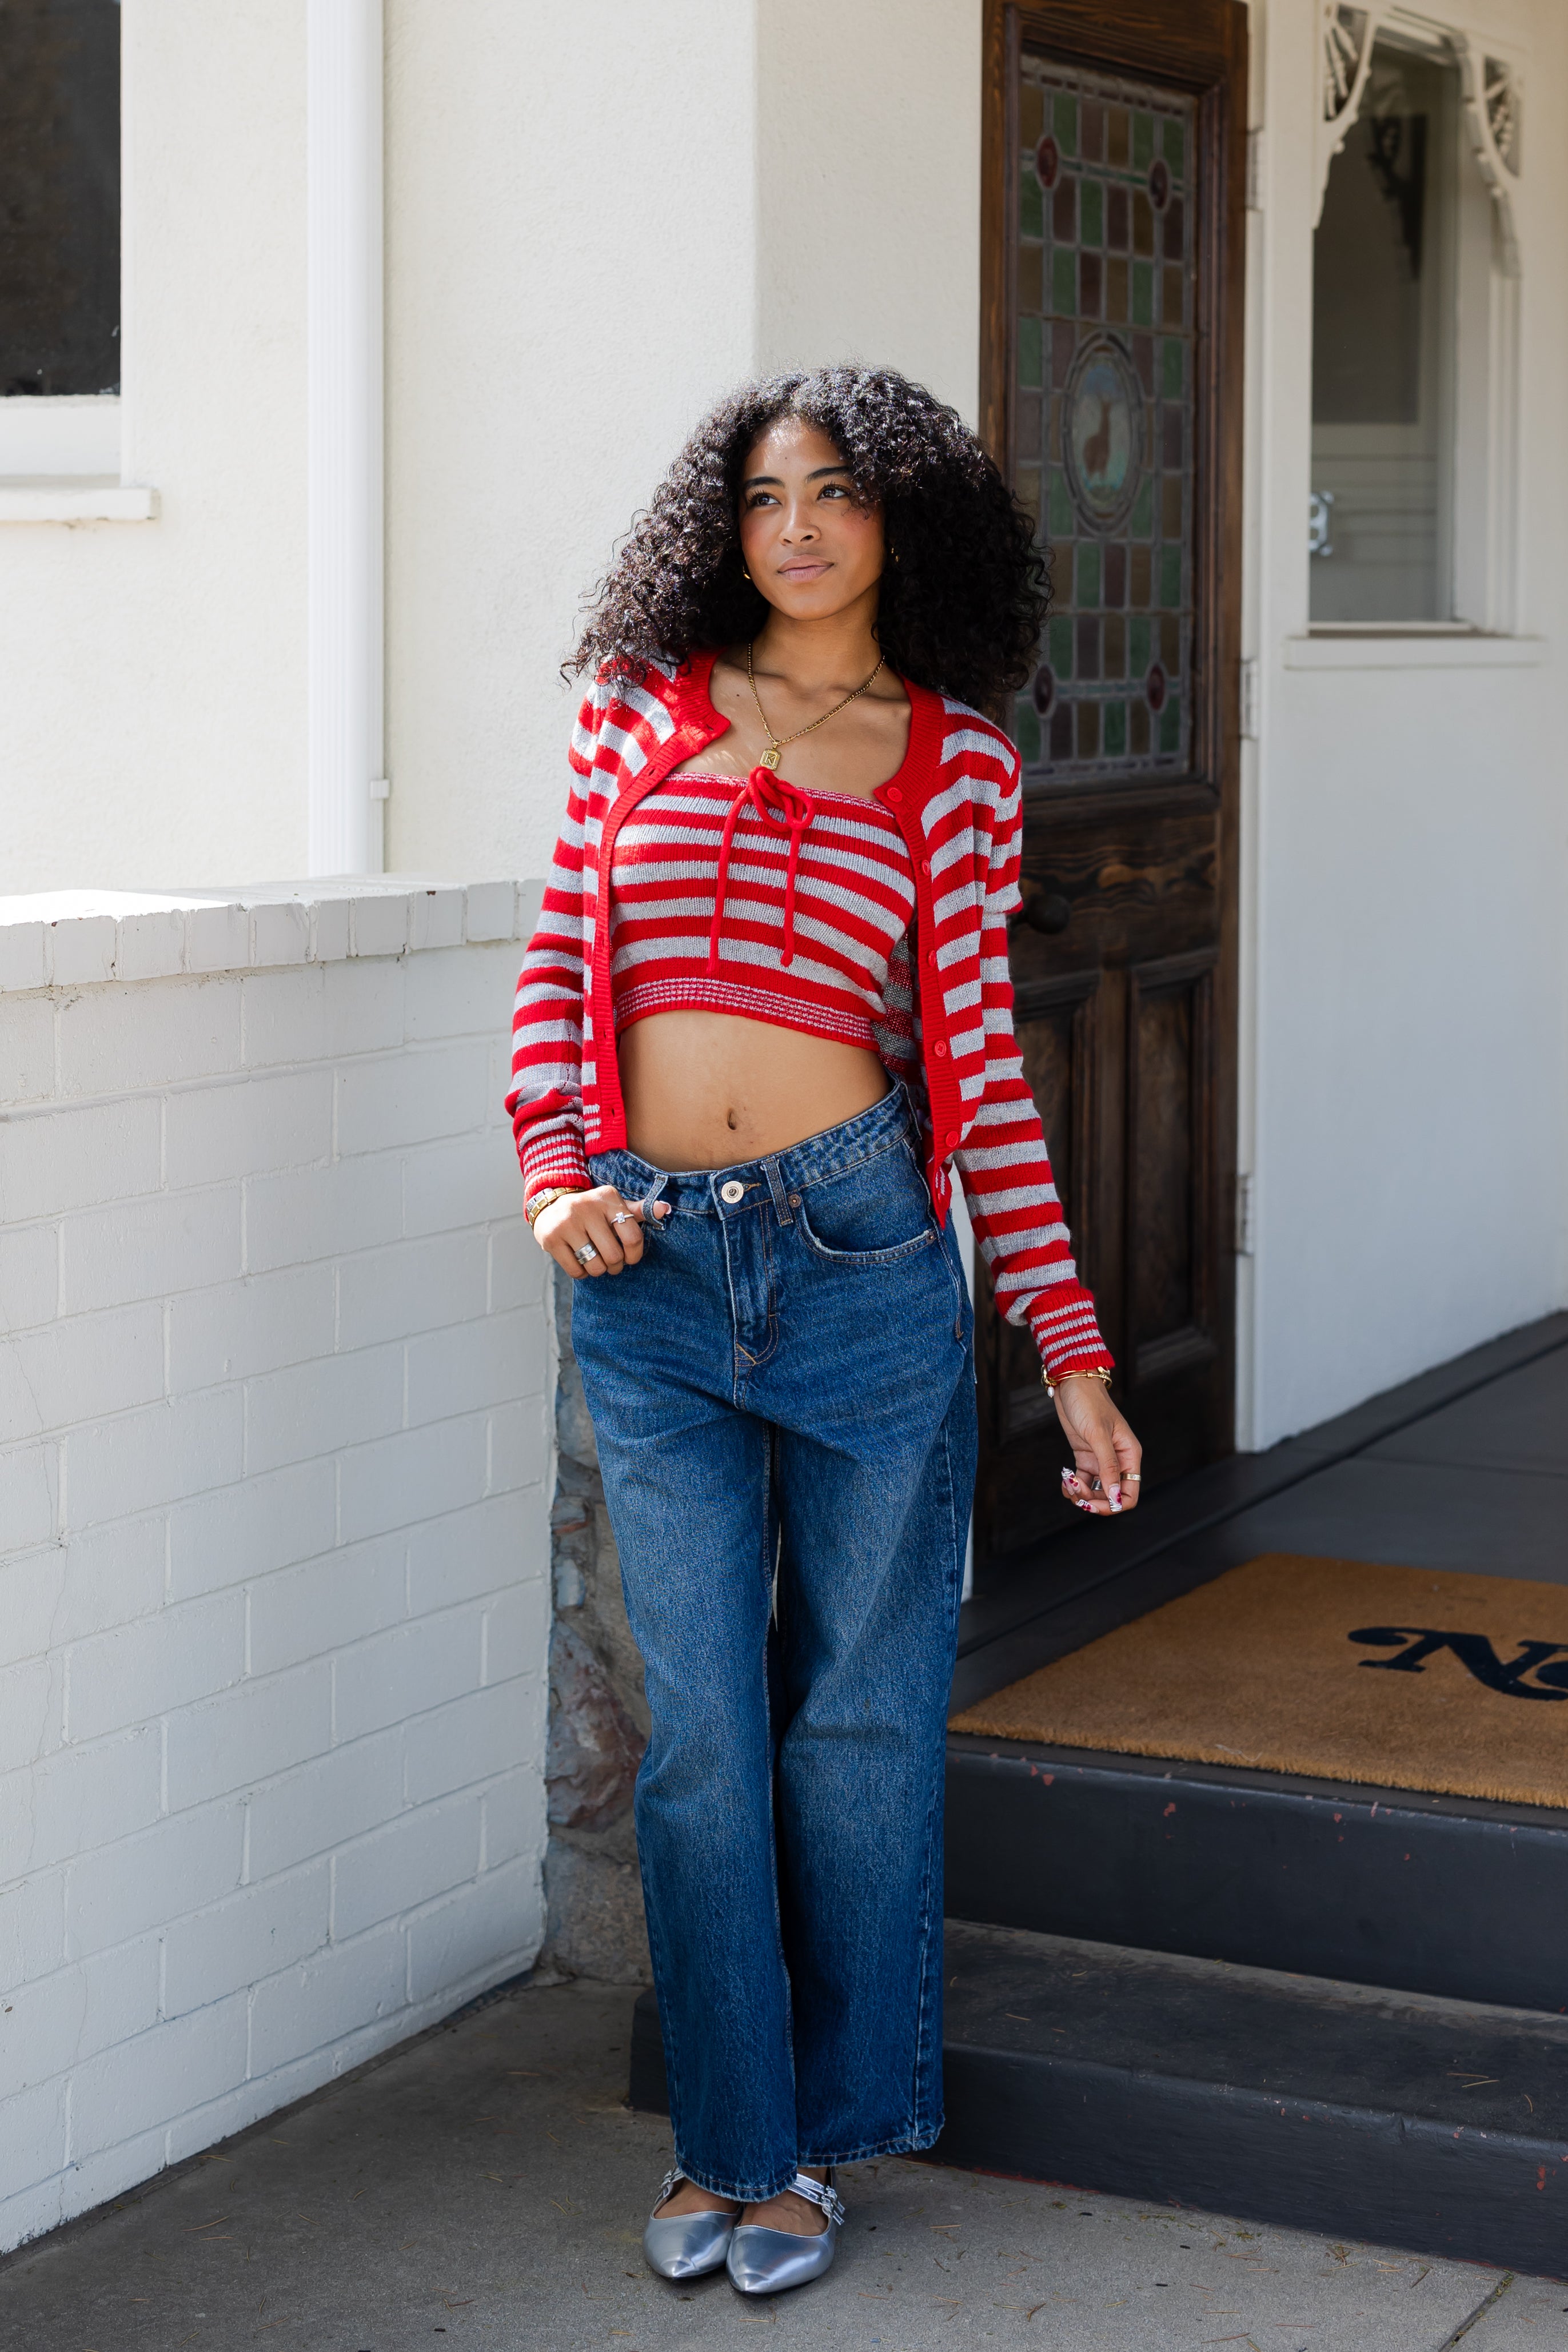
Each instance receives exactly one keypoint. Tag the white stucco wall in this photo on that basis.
(573, 279)
(1404, 1065)
(868, 170)
(152, 727)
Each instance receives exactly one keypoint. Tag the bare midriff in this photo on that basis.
(708, 1090)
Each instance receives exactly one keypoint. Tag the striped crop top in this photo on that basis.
(746, 895)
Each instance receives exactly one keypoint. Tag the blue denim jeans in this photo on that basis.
(783, 1395)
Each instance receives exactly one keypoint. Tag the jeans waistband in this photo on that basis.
(748, 1184)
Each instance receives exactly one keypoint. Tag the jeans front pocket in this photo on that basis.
(873, 1214)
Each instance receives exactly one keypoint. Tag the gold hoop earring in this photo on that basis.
(745, 575)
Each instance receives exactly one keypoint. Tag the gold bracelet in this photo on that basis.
(1087, 1372)
(539, 1201)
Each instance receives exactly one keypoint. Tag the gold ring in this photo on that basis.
(1131, 1477)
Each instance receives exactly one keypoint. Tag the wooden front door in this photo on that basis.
(1113, 215)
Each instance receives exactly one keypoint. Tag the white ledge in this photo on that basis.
(1432, 648)
(72, 938)
(75, 498)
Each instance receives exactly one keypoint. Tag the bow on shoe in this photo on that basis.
(775, 803)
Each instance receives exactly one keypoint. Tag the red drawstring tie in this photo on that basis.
(782, 804)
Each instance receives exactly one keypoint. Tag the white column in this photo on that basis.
(344, 98)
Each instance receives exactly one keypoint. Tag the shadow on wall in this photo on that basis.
(599, 1718)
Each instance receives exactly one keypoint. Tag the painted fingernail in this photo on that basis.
(1116, 1498)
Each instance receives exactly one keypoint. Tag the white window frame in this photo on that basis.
(1483, 557)
(63, 459)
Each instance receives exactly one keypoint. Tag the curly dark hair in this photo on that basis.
(960, 611)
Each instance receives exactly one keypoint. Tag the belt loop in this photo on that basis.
(645, 1205)
(776, 1186)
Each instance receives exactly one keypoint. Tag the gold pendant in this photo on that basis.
(771, 758)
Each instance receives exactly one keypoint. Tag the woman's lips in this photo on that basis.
(802, 570)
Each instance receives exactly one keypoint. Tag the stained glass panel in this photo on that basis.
(1104, 417)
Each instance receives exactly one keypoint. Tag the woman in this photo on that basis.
(765, 1013)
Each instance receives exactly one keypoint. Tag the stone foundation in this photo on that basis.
(599, 1718)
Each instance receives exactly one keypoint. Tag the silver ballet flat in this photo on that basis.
(766, 2261)
(685, 2245)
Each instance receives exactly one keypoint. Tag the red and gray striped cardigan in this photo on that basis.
(948, 1029)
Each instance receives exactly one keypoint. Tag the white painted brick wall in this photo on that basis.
(273, 1458)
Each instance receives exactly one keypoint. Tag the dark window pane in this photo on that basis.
(1089, 267)
(1064, 343)
(1064, 212)
(60, 196)
(1088, 646)
(1116, 572)
(1117, 218)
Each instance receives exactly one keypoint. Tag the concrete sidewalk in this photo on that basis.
(486, 2186)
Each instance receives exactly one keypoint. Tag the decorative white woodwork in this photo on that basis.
(1492, 93)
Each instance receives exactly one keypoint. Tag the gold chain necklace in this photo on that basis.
(776, 743)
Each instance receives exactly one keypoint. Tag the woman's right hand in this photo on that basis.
(599, 1218)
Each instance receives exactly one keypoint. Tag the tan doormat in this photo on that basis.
(1337, 1669)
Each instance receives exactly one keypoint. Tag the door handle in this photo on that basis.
(1048, 911)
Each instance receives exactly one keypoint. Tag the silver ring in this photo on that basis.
(624, 1216)
(585, 1253)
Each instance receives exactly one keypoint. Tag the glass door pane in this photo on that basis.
(1103, 452)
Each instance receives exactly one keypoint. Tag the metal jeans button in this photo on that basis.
(732, 1191)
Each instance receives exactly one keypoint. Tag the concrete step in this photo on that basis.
(1452, 1896)
(1440, 2126)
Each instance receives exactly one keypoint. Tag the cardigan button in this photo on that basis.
(893, 794)
(925, 866)
(931, 956)
(940, 1049)
(951, 1138)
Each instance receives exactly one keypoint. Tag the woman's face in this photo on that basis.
(810, 549)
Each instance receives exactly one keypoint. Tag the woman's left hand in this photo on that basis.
(1108, 1457)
